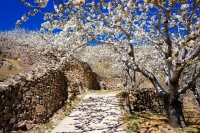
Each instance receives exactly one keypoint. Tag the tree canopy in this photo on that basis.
(171, 28)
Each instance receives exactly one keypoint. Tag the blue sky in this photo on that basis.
(12, 10)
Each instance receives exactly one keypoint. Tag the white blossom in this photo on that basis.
(41, 29)
(24, 18)
(115, 18)
(56, 8)
(46, 24)
(88, 18)
(192, 42)
(42, 3)
(18, 23)
(131, 41)
(184, 6)
(130, 4)
(178, 17)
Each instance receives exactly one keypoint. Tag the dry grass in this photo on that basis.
(16, 68)
(104, 92)
(146, 84)
(143, 122)
(138, 122)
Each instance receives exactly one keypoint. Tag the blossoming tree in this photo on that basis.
(171, 28)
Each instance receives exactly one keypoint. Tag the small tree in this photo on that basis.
(172, 28)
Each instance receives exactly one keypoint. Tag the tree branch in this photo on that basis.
(195, 53)
(190, 84)
(152, 78)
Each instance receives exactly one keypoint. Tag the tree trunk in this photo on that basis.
(196, 93)
(133, 78)
(175, 114)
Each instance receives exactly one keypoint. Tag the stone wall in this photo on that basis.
(27, 99)
(81, 73)
(144, 99)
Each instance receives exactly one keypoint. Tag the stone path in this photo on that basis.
(95, 114)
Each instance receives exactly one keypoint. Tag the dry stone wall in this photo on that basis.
(81, 73)
(27, 99)
(144, 99)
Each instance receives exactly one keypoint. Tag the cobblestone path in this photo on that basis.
(95, 114)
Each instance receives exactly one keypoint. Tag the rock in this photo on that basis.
(160, 127)
(29, 93)
(21, 75)
(22, 123)
(143, 130)
(3, 123)
(40, 108)
(4, 86)
(6, 116)
(7, 109)
(159, 131)
(1, 113)
(119, 85)
(47, 131)
(39, 75)
(103, 85)
(166, 130)
(30, 78)
(12, 121)
(5, 65)
(17, 77)
(29, 126)
(11, 80)
(19, 96)
(152, 129)
(8, 103)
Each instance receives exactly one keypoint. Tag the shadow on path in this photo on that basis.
(95, 114)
